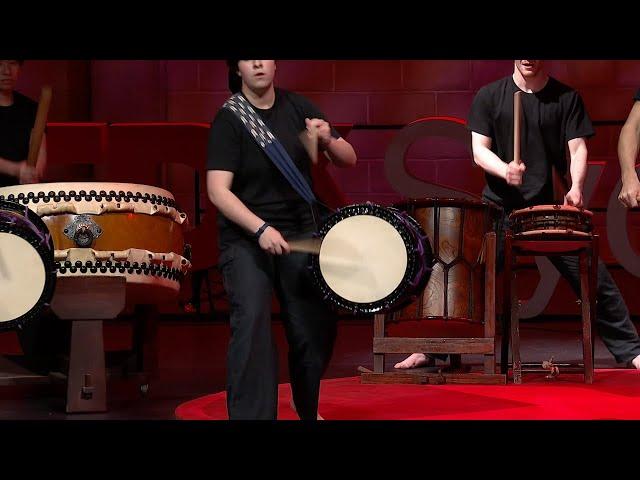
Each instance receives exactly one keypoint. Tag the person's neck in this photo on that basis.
(530, 84)
(6, 98)
(263, 99)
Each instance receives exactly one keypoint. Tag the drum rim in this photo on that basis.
(32, 238)
(444, 202)
(77, 186)
(551, 209)
(413, 262)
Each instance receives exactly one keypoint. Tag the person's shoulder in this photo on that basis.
(495, 86)
(225, 115)
(23, 101)
(561, 89)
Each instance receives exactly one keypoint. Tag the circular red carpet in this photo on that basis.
(615, 394)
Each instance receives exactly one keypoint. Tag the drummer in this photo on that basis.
(41, 339)
(17, 117)
(554, 118)
(258, 211)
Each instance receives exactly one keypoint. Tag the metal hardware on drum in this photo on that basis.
(83, 230)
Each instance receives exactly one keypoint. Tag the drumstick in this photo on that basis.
(517, 116)
(39, 125)
(306, 245)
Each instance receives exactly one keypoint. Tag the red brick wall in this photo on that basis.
(359, 92)
(365, 93)
(397, 92)
(70, 84)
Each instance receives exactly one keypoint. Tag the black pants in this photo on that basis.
(612, 316)
(250, 276)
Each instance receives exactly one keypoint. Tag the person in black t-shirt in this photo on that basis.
(17, 117)
(258, 211)
(628, 153)
(553, 118)
(42, 338)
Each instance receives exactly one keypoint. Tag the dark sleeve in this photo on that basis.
(637, 95)
(480, 118)
(309, 110)
(578, 121)
(224, 148)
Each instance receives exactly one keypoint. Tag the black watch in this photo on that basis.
(261, 230)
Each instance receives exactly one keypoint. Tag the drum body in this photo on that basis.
(372, 259)
(112, 229)
(456, 229)
(563, 220)
(27, 270)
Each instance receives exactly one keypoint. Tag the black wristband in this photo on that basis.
(261, 230)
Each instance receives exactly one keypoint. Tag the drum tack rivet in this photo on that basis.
(118, 205)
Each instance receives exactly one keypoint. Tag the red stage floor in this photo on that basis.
(615, 394)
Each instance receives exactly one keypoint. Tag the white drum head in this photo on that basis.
(22, 277)
(363, 258)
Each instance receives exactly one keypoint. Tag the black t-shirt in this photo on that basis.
(16, 123)
(637, 96)
(550, 118)
(257, 182)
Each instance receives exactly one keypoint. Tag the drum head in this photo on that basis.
(363, 258)
(22, 277)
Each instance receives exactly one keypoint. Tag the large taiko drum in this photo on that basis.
(27, 270)
(372, 259)
(563, 220)
(456, 228)
(113, 230)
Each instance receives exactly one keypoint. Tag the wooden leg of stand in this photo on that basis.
(490, 301)
(595, 255)
(378, 332)
(586, 295)
(506, 306)
(145, 335)
(86, 385)
(515, 325)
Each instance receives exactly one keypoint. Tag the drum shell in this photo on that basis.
(136, 223)
(456, 229)
(551, 220)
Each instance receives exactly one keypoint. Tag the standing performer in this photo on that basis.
(628, 154)
(554, 117)
(43, 337)
(258, 209)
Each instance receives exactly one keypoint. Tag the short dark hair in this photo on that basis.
(234, 80)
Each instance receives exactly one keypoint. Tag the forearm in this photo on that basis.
(628, 152)
(233, 209)
(341, 153)
(578, 169)
(490, 162)
(8, 167)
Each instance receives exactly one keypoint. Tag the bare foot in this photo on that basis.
(293, 407)
(636, 363)
(414, 360)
